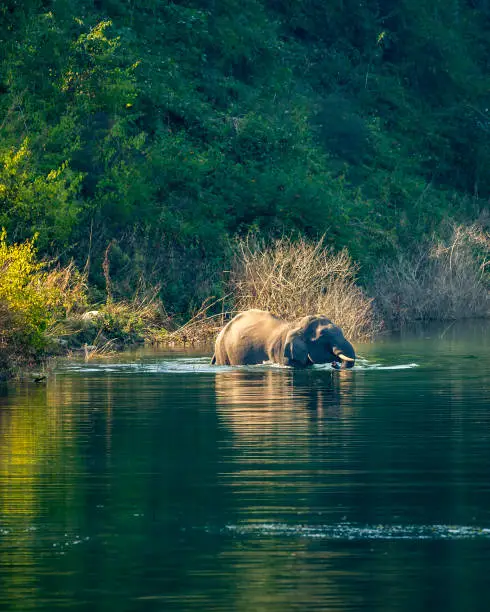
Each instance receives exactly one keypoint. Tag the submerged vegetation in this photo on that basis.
(139, 141)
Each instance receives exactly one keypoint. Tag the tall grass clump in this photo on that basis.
(294, 278)
(440, 280)
(115, 324)
(141, 318)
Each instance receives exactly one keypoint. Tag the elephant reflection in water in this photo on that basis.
(260, 402)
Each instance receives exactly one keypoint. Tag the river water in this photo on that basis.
(154, 481)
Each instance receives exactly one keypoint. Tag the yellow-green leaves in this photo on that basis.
(34, 296)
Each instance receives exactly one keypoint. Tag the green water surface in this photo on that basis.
(154, 481)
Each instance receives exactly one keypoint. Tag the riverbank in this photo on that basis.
(47, 310)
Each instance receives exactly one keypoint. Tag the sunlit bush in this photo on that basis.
(32, 298)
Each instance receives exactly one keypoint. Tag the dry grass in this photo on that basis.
(201, 328)
(99, 350)
(70, 283)
(114, 325)
(296, 278)
(442, 280)
(139, 315)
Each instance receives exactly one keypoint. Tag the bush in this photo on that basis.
(441, 280)
(294, 278)
(132, 321)
(116, 324)
(32, 298)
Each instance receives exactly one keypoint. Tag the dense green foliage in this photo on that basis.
(165, 128)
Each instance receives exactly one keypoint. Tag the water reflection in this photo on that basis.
(280, 420)
(285, 396)
(157, 482)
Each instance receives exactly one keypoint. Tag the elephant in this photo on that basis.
(257, 336)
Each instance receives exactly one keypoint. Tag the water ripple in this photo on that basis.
(201, 365)
(348, 531)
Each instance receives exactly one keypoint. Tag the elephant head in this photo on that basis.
(315, 339)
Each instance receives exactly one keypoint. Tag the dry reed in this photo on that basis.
(99, 350)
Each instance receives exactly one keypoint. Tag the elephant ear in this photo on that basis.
(295, 349)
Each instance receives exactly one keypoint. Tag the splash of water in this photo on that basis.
(202, 365)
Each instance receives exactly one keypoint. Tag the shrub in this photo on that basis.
(294, 278)
(32, 298)
(132, 321)
(441, 280)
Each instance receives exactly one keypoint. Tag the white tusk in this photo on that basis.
(344, 357)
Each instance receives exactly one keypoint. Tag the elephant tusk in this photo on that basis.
(344, 357)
